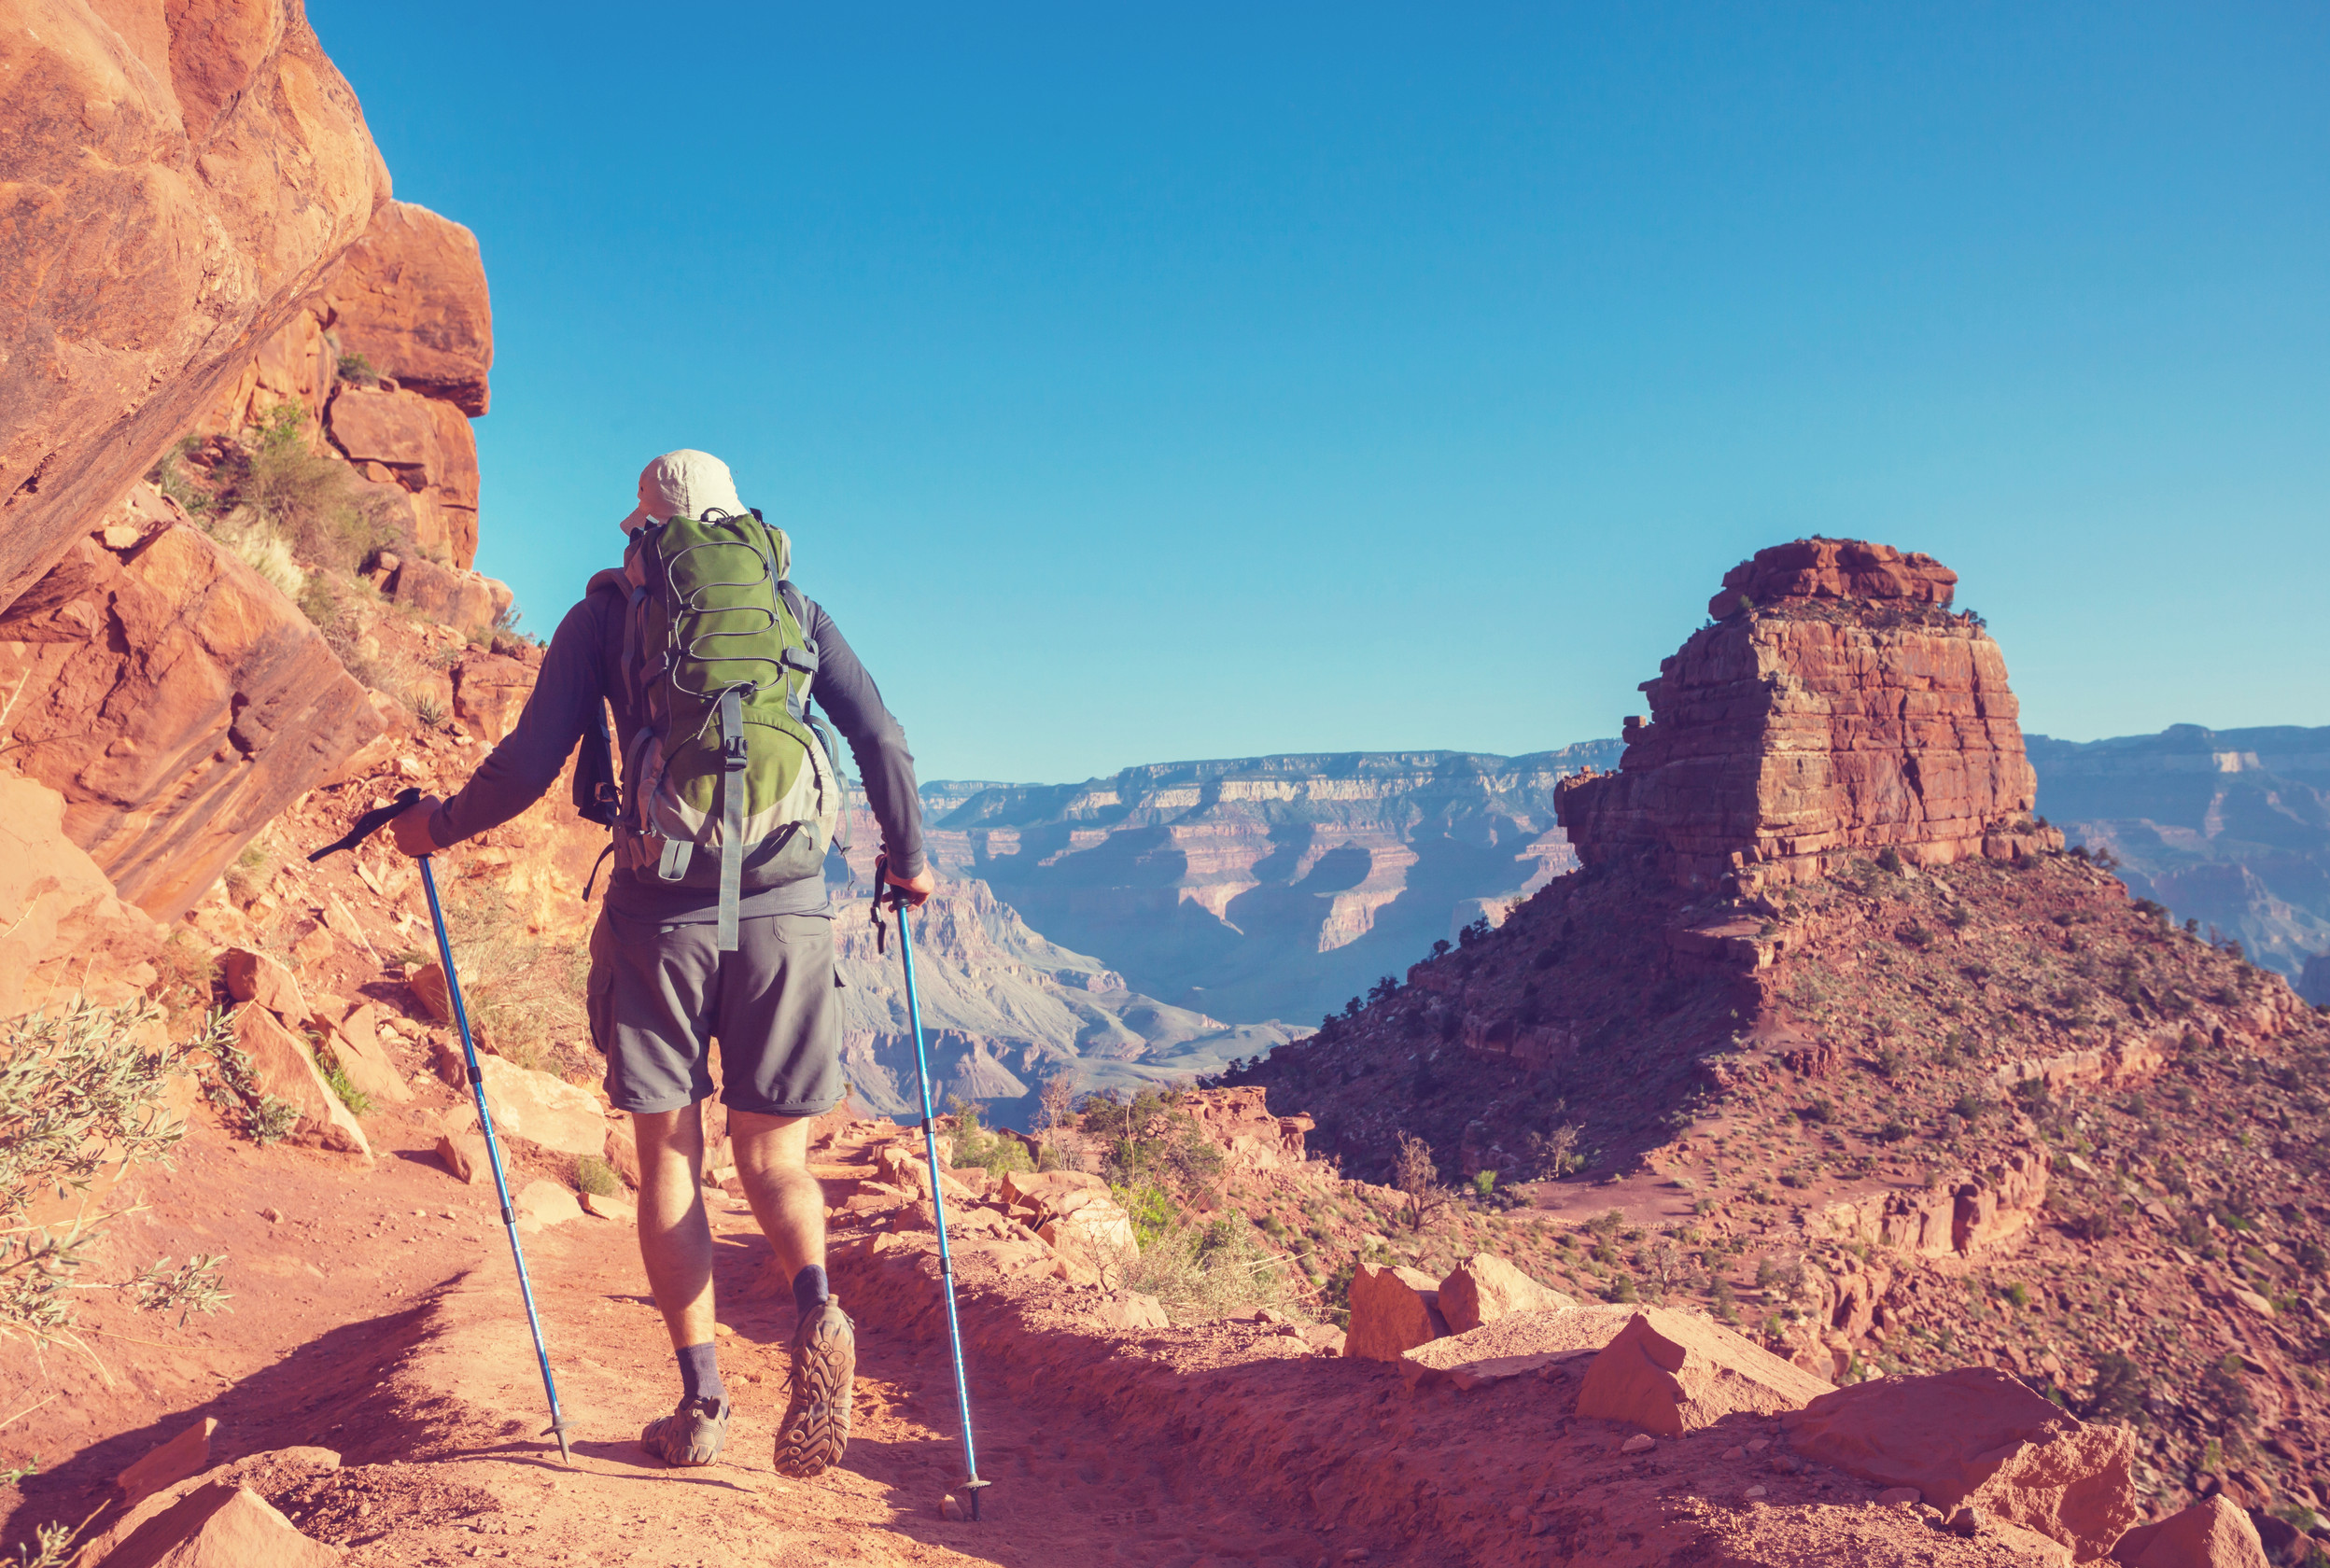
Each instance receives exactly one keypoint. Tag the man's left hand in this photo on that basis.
(410, 828)
(916, 888)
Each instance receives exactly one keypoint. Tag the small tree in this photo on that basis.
(1414, 1174)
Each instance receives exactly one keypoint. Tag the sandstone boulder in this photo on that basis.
(410, 298)
(1483, 1288)
(255, 976)
(609, 1207)
(1671, 1372)
(215, 1525)
(1517, 1343)
(286, 1069)
(542, 1203)
(461, 599)
(355, 1040)
(1976, 1435)
(187, 1454)
(428, 982)
(464, 1153)
(2213, 1532)
(542, 1108)
(1129, 1312)
(490, 692)
(1033, 1190)
(177, 701)
(62, 929)
(1393, 1310)
(230, 166)
(1094, 1228)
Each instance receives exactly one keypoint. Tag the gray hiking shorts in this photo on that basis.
(660, 994)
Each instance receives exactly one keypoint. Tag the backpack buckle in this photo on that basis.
(732, 753)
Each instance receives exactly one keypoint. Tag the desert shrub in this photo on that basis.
(593, 1174)
(1147, 1136)
(79, 1091)
(523, 993)
(1483, 1183)
(309, 500)
(1889, 860)
(1555, 1152)
(1209, 1272)
(2119, 1391)
(2225, 1392)
(358, 369)
(336, 1076)
(989, 1151)
(1724, 1299)
(192, 1287)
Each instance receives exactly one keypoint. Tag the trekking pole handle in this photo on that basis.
(371, 823)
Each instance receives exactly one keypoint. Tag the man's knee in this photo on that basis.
(668, 1135)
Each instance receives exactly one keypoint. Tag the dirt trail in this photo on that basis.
(394, 1339)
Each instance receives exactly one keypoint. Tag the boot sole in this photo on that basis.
(816, 1421)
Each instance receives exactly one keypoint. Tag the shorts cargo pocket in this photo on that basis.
(598, 991)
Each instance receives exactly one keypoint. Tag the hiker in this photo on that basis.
(716, 924)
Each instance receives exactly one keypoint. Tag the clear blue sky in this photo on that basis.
(1154, 383)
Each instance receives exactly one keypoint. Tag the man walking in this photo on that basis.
(734, 945)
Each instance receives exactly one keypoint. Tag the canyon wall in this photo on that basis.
(2227, 827)
(232, 167)
(1265, 887)
(1833, 707)
(388, 362)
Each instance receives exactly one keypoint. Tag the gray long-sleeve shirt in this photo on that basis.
(583, 668)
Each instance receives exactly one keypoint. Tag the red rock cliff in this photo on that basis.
(1837, 704)
(408, 300)
(231, 166)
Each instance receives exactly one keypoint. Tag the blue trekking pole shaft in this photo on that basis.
(492, 1154)
(938, 1208)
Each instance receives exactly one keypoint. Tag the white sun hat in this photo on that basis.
(683, 483)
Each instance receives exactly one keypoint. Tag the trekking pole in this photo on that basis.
(930, 1147)
(366, 825)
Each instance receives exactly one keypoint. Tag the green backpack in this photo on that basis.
(730, 760)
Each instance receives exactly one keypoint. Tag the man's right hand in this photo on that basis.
(917, 888)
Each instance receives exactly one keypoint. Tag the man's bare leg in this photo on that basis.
(675, 1236)
(675, 1245)
(773, 1164)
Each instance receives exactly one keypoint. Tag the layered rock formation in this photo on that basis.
(173, 698)
(230, 165)
(407, 313)
(1964, 1102)
(1835, 707)
(1267, 886)
(2227, 827)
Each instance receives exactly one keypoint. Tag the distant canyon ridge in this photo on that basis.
(1265, 887)
(1161, 921)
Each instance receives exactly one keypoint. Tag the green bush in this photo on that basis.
(989, 1151)
(594, 1175)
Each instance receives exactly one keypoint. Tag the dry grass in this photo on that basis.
(523, 994)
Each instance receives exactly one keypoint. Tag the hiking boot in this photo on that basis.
(824, 1369)
(691, 1434)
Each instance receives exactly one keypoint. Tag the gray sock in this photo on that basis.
(699, 1372)
(809, 1289)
